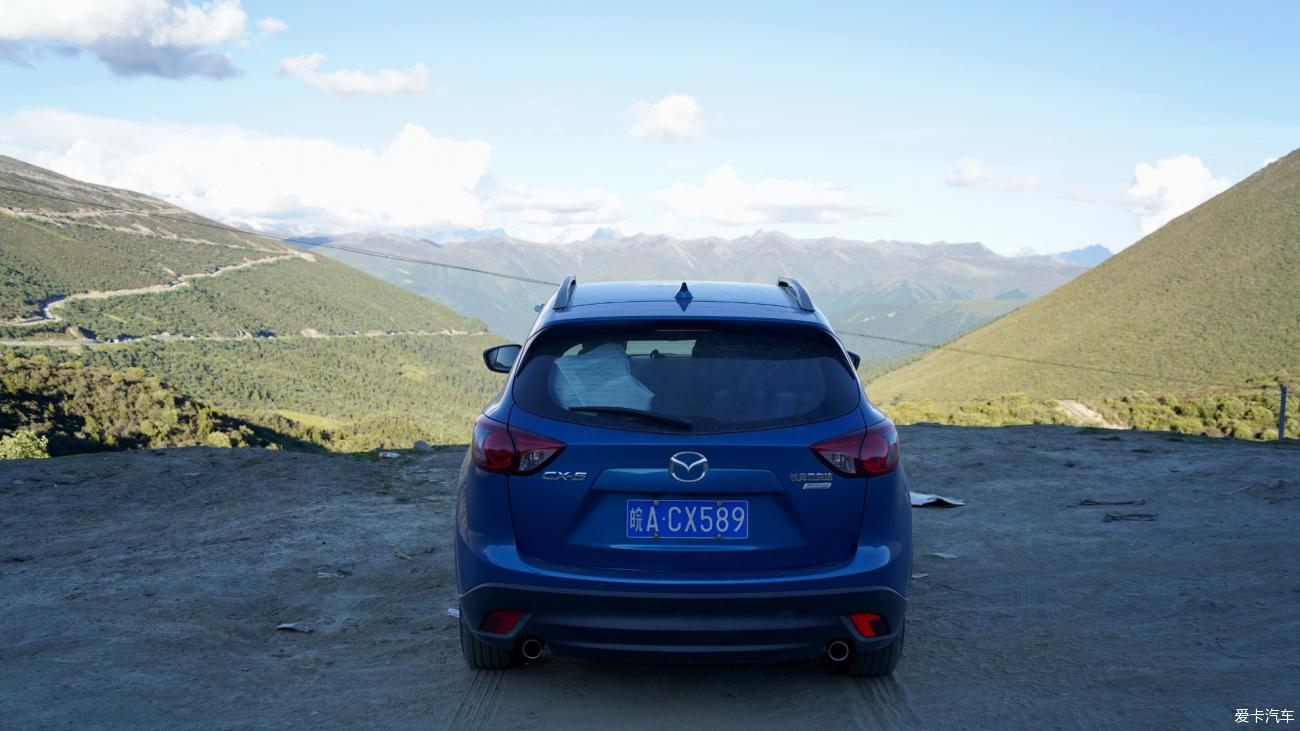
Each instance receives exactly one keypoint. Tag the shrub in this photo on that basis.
(219, 439)
(24, 445)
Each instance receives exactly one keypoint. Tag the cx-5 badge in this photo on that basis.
(557, 475)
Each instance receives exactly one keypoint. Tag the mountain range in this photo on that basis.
(1087, 256)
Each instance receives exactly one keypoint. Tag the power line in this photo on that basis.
(542, 282)
(1035, 361)
(444, 265)
(285, 239)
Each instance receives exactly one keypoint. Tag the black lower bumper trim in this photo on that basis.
(690, 627)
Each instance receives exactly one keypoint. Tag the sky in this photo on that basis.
(1036, 125)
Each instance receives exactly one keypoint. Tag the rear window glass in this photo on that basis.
(700, 378)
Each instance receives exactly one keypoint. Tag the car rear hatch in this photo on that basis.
(686, 448)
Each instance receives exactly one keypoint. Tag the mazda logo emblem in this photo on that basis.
(688, 466)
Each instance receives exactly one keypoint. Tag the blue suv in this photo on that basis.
(687, 473)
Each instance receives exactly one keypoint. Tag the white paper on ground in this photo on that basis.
(921, 499)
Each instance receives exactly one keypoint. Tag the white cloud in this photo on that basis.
(166, 38)
(271, 26)
(1028, 182)
(726, 199)
(346, 82)
(548, 206)
(416, 182)
(969, 171)
(1170, 188)
(673, 116)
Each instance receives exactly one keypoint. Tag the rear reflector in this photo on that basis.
(869, 624)
(502, 621)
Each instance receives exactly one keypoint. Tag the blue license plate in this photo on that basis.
(688, 519)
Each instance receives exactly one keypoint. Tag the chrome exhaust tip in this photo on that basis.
(531, 648)
(838, 651)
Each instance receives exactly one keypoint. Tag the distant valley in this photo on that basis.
(935, 291)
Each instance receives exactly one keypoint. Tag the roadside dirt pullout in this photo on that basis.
(143, 590)
(1084, 415)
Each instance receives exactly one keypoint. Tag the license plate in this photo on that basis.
(688, 519)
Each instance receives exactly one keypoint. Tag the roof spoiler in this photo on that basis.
(564, 294)
(791, 286)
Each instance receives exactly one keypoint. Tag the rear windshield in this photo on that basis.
(700, 378)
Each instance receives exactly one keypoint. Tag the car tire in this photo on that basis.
(481, 656)
(877, 663)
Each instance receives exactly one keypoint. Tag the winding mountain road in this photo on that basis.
(47, 308)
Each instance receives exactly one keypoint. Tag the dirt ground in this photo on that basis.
(143, 590)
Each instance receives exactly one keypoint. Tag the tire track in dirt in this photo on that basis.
(478, 707)
(1031, 599)
(883, 703)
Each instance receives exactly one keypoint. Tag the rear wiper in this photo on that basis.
(638, 413)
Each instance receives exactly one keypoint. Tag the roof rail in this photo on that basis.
(565, 293)
(791, 286)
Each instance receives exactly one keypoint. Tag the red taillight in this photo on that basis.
(501, 621)
(492, 448)
(869, 452)
(879, 453)
(499, 448)
(869, 625)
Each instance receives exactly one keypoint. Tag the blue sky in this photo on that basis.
(1016, 124)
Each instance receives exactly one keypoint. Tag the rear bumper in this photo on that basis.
(782, 625)
(685, 614)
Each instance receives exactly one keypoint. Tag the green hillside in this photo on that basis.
(283, 299)
(378, 391)
(1212, 298)
(235, 321)
(79, 409)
